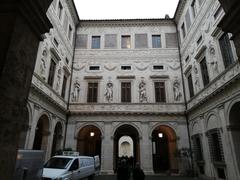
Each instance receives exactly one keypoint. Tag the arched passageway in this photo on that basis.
(41, 134)
(126, 145)
(57, 138)
(89, 141)
(234, 119)
(164, 149)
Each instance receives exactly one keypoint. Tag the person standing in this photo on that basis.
(123, 172)
(138, 173)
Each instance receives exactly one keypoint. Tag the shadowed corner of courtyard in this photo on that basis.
(149, 177)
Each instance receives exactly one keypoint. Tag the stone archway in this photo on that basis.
(164, 149)
(89, 141)
(41, 134)
(235, 130)
(133, 135)
(57, 138)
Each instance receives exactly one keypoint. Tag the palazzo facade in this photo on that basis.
(157, 90)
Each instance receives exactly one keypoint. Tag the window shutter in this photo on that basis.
(171, 40)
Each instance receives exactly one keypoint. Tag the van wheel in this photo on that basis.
(91, 177)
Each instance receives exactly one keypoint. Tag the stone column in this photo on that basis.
(23, 23)
(146, 149)
(107, 150)
(231, 20)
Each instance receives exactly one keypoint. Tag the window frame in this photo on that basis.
(154, 45)
(128, 39)
(96, 39)
(90, 97)
(124, 99)
(52, 72)
(160, 100)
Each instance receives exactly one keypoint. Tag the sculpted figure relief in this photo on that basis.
(214, 62)
(43, 69)
(109, 92)
(176, 90)
(76, 91)
(142, 91)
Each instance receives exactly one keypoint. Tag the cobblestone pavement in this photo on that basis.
(154, 177)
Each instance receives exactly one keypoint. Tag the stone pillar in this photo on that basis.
(146, 150)
(230, 21)
(107, 150)
(23, 23)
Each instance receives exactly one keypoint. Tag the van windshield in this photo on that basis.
(57, 163)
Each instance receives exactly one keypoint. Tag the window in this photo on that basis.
(190, 85)
(183, 30)
(95, 42)
(92, 92)
(219, 10)
(51, 72)
(60, 10)
(141, 41)
(55, 42)
(75, 165)
(199, 40)
(64, 86)
(156, 41)
(158, 67)
(81, 41)
(126, 42)
(110, 41)
(160, 92)
(69, 32)
(197, 147)
(204, 70)
(194, 8)
(187, 59)
(126, 91)
(215, 144)
(171, 40)
(226, 50)
(67, 61)
(94, 68)
(125, 67)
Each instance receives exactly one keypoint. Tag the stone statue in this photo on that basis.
(213, 63)
(43, 69)
(58, 79)
(176, 90)
(109, 92)
(76, 91)
(142, 91)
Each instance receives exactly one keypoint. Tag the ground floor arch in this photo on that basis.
(89, 141)
(235, 130)
(57, 138)
(126, 145)
(164, 149)
(41, 134)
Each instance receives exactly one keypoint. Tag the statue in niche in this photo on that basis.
(109, 91)
(58, 79)
(176, 89)
(76, 91)
(197, 84)
(213, 63)
(43, 69)
(142, 91)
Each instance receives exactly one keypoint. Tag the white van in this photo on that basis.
(69, 168)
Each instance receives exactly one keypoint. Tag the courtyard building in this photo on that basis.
(162, 92)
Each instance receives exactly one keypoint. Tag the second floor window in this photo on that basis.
(156, 41)
(69, 32)
(160, 95)
(126, 92)
(51, 73)
(197, 148)
(183, 30)
(60, 10)
(92, 92)
(95, 42)
(204, 70)
(226, 50)
(126, 42)
(190, 85)
(64, 86)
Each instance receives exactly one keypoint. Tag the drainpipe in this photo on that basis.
(69, 92)
(185, 99)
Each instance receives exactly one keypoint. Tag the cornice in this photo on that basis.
(179, 10)
(125, 22)
(73, 11)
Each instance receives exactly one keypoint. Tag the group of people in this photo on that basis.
(124, 171)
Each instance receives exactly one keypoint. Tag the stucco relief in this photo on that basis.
(109, 91)
(110, 66)
(78, 66)
(176, 89)
(141, 66)
(76, 91)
